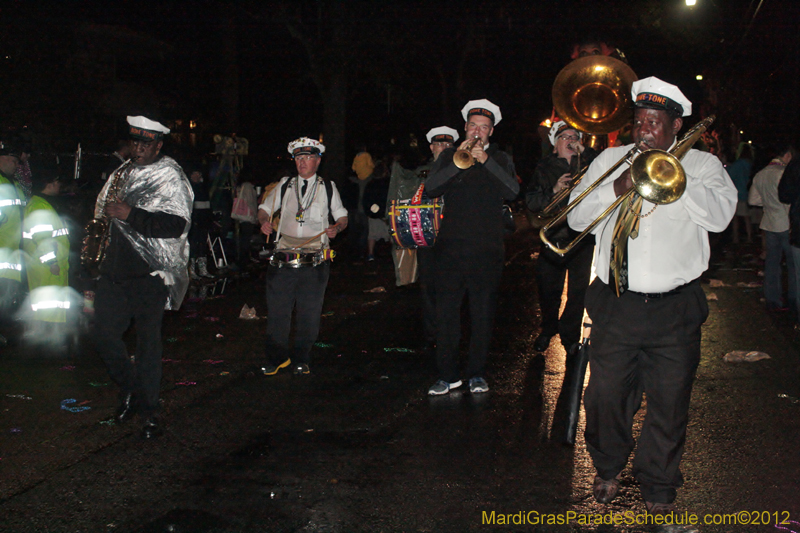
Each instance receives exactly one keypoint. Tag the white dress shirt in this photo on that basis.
(316, 216)
(672, 247)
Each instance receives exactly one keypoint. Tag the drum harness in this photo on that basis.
(300, 209)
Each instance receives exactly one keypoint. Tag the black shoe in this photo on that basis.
(605, 490)
(572, 349)
(127, 408)
(152, 428)
(542, 342)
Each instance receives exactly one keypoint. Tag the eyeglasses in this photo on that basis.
(569, 137)
(305, 157)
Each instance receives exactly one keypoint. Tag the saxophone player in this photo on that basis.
(148, 204)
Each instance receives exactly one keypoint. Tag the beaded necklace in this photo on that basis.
(301, 206)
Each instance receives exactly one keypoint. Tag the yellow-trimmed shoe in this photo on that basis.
(270, 370)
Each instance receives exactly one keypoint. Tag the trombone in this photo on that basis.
(546, 214)
(657, 176)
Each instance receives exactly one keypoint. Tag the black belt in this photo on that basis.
(657, 295)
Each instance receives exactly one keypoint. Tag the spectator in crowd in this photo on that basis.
(244, 212)
(775, 226)
(202, 220)
(740, 171)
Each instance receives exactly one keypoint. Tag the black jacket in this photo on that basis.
(473, 198)
(789, 193)
(541, 193)
(122, 261)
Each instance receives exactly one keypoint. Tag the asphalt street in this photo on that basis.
(359, 446)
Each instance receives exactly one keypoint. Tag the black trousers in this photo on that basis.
(426, 264)
(142, 301)
(642, 345)
(465, 269)
(287, 289)
(551, 271)
(246, 230)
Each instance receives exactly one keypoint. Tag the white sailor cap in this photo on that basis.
(306, 146)
(484, 108)
(653, 93)
(143, 128)
(560, 127)
(442, 134)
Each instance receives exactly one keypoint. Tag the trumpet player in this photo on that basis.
(553, 174)
(646, 303)
(469, 248)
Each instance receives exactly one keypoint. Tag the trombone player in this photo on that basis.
(646, 304)
(553, 175)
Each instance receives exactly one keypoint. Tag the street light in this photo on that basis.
(699, 77)
(691, 2)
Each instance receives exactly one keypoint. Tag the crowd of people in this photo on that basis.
(645, 304)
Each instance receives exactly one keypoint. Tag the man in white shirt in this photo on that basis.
(775, 225)
(298, 273)
(646, 313)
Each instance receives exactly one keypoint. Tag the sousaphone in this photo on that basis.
(593, 94)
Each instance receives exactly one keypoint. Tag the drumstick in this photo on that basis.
(309, 240)
(272, 216)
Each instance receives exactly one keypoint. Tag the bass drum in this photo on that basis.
(415, 222)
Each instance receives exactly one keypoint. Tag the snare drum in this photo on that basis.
(300, 257)
(415, 222)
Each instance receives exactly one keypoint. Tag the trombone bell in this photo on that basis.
(658, 177)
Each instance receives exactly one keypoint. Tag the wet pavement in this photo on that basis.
(359, 446)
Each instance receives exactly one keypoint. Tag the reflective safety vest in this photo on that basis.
(45, 241)
(10, 218)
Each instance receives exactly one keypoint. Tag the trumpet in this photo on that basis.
(463, 158)
(657, 176)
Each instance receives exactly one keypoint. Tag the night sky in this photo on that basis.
(73, 70)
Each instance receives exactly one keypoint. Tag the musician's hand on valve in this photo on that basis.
(464, 145)
(479, 153)
(623, 183)
(119, 210)
(562, 183)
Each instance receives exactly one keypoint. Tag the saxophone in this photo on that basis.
(98, 230)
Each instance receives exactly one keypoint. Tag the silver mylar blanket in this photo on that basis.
(161, 186)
